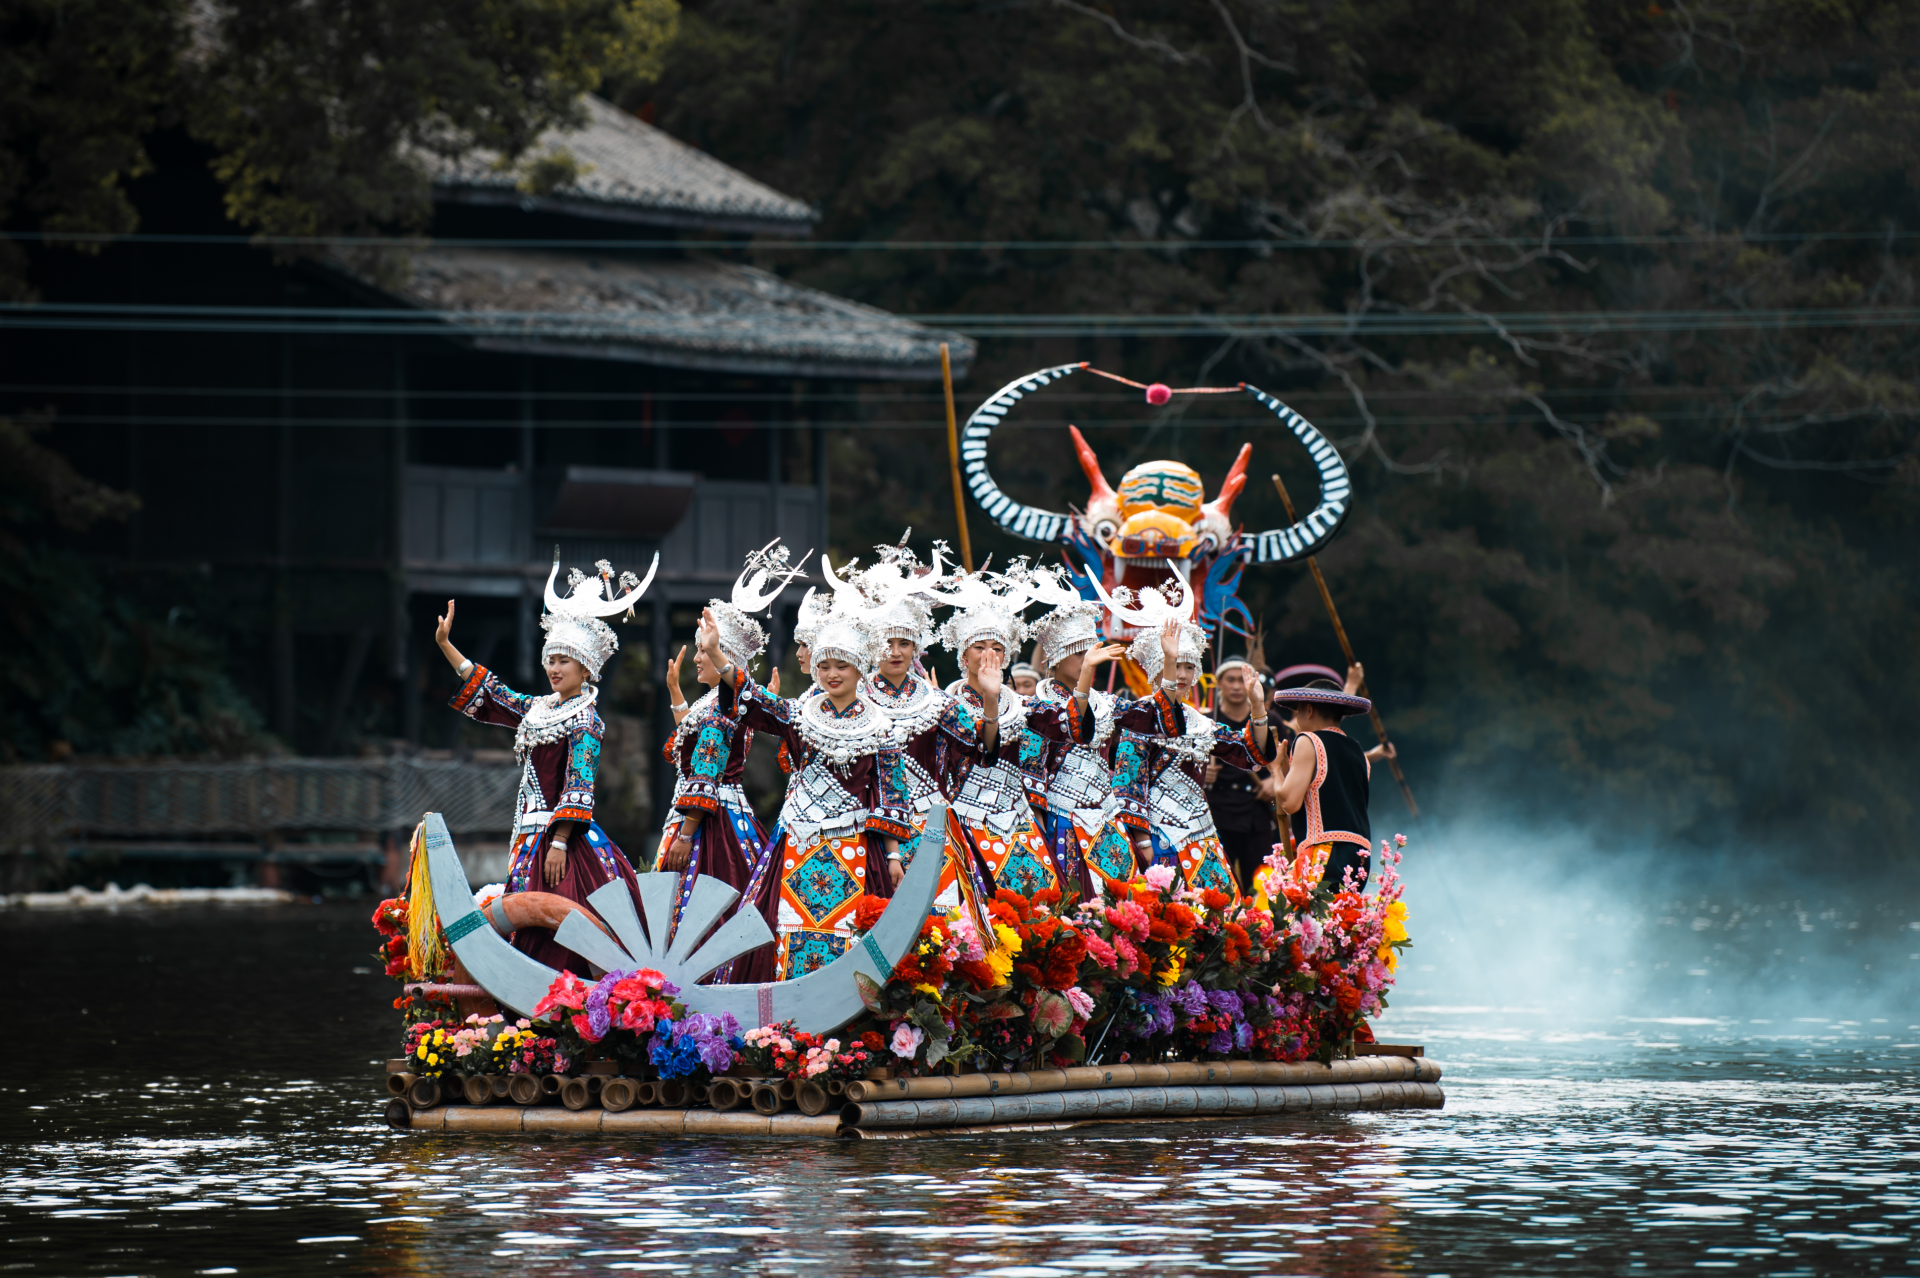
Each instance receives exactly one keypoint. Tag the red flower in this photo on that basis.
(1215, 900)
(868, 912)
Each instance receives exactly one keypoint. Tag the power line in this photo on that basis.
(1305, 243)
(573, 325)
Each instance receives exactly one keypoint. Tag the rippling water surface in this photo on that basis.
(196, 1091)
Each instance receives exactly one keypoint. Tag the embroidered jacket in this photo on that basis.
(558, 747)
(1157, 734)
(708, 751)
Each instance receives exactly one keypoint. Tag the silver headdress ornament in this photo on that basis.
(768, 571)
(987, 606)
(847, 633)
(1152, 610)
(1073, 623)
(901, 593)
(811, 616)
(574, 624)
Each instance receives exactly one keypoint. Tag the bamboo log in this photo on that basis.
(524, 1089)
(766, 1098)
(697, 1094)
(1137, 1102)
(498, 1085)
(1078, 1078)
(399, 1084)
(617, 1094)
(810, 1098)
(399, 1114)
(728, 1093)
(646, 1093)
(836, 1088)
(786, 1087)
(550, 1085)
(476, 1091)
(494, 1118)
(576, 1093)
(584, 1122)
(399, 1065)
(424, 1094)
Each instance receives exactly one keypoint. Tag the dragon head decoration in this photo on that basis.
(1157, 525)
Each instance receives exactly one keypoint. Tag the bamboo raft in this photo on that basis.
(604, 1104)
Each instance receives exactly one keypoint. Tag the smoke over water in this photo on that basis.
(1544, 929)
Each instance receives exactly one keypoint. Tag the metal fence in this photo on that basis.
(262, 800)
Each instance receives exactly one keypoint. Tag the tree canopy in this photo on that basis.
(1622, 356)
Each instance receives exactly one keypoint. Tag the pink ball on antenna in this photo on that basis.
(1159, 393)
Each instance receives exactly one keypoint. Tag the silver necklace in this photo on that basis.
(550, 719)
(843, 739)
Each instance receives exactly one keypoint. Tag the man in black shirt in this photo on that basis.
(1241, 813)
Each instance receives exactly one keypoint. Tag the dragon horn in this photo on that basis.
(1231, 487)
(1090, 463)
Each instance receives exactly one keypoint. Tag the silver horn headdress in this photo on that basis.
(986, 606)
(768, 571)
(1150, 611)
(575, 623)
(847, 633)
(1072, 623)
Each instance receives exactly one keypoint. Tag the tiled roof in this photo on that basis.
(631, 172)
(676, 312)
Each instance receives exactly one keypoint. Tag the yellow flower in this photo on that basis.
(420, 1050)
(1009, 940)
(1172, 974)
(1397, 921)
(925, 988)
(1001, 961)
(433, 1060)
(1387, 955)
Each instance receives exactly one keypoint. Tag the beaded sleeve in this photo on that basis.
(576, 785)
(484, 699)
(1132, 774)
(706, 764)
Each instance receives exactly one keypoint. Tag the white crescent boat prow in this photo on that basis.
(817, 1003)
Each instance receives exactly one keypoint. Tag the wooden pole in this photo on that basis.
(953, 457)
(1333, 614)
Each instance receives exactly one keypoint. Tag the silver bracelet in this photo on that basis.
(464, 669)
(1261, 722)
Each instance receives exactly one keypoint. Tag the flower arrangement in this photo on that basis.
(781, 1049)
(1150, 970)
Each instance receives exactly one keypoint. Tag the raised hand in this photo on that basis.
(443, 635)
(991, 680)
(1097, 657)
(773, 682)
(707, 636)
(674, 695)
(1169, 646)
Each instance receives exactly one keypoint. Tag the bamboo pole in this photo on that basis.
(1333, 615)
(1365, 1069)
(953, 458)
(1138, 1102)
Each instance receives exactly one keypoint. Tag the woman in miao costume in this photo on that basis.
(840, 823)
(901, 616)
(1163, 745)
(557, 845)
(992, 804)
(1076, 804)
(712, 830)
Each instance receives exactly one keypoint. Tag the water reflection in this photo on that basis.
(209, 1114)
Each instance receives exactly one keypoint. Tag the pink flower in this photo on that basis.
(1129, 957)
(1101, 952)
(1399, 840)
(907, 1038)
(1159, 877)
(567, 991)
(1081, 1000)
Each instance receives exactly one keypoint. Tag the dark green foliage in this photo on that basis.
(93, 665)
(1669, 567)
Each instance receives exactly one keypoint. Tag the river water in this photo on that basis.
(1721, 1083)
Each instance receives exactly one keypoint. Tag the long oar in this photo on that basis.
(1333, 614)
(953, 456)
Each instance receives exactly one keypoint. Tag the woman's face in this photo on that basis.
(836, 678)
(898, 661)
(703, 669)
(1184, 675)
(977, 652)
(564, 674)
(805, 656)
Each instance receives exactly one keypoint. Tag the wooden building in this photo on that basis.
(340, 439)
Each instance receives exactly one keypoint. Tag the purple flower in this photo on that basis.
(1191, 999)
(1242, 1036)
(1220, 1043)
(598, 1019)
(1227, 1003)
